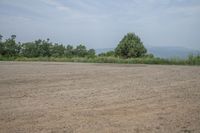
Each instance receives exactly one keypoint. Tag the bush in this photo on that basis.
(108, 54)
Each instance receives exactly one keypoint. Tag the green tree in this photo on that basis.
(57, 50)
(80, 51)
(44, 48)
(38, 48)
(130, 46)
(11, 48)
(91, 53)
(69, 51)
(30, 49)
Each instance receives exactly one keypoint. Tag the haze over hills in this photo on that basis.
(163, 52)
(169, 52)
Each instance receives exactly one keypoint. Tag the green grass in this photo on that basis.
(191, 60)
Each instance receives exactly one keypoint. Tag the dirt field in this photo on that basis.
(104, 98)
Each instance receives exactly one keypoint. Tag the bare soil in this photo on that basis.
(98, 98)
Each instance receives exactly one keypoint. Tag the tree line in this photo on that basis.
(130, 46)
(42, 48)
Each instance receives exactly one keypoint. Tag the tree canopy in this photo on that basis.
(42, 48)
(130, 46)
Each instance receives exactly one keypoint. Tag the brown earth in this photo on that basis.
(102, 98)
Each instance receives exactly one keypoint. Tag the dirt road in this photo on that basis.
(98, 98)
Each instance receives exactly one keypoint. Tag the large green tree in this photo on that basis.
(130, 46)
(11, 48)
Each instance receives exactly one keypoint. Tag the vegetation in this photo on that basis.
(44, 50)
(41, 48)
(107, 54)
(9, 47)
(130, 46)
(195, 60)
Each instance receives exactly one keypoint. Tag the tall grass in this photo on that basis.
(191, 60)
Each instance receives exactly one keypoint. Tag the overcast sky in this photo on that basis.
(102, 23)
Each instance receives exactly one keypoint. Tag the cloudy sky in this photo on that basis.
(102, 23)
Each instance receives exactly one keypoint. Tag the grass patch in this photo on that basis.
(191, 60)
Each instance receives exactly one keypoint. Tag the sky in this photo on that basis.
(103, 23)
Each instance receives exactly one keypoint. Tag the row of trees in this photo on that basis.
(130, 46)
(42, 48)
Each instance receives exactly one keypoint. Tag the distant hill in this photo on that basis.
(163, 52)
(169, 52)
